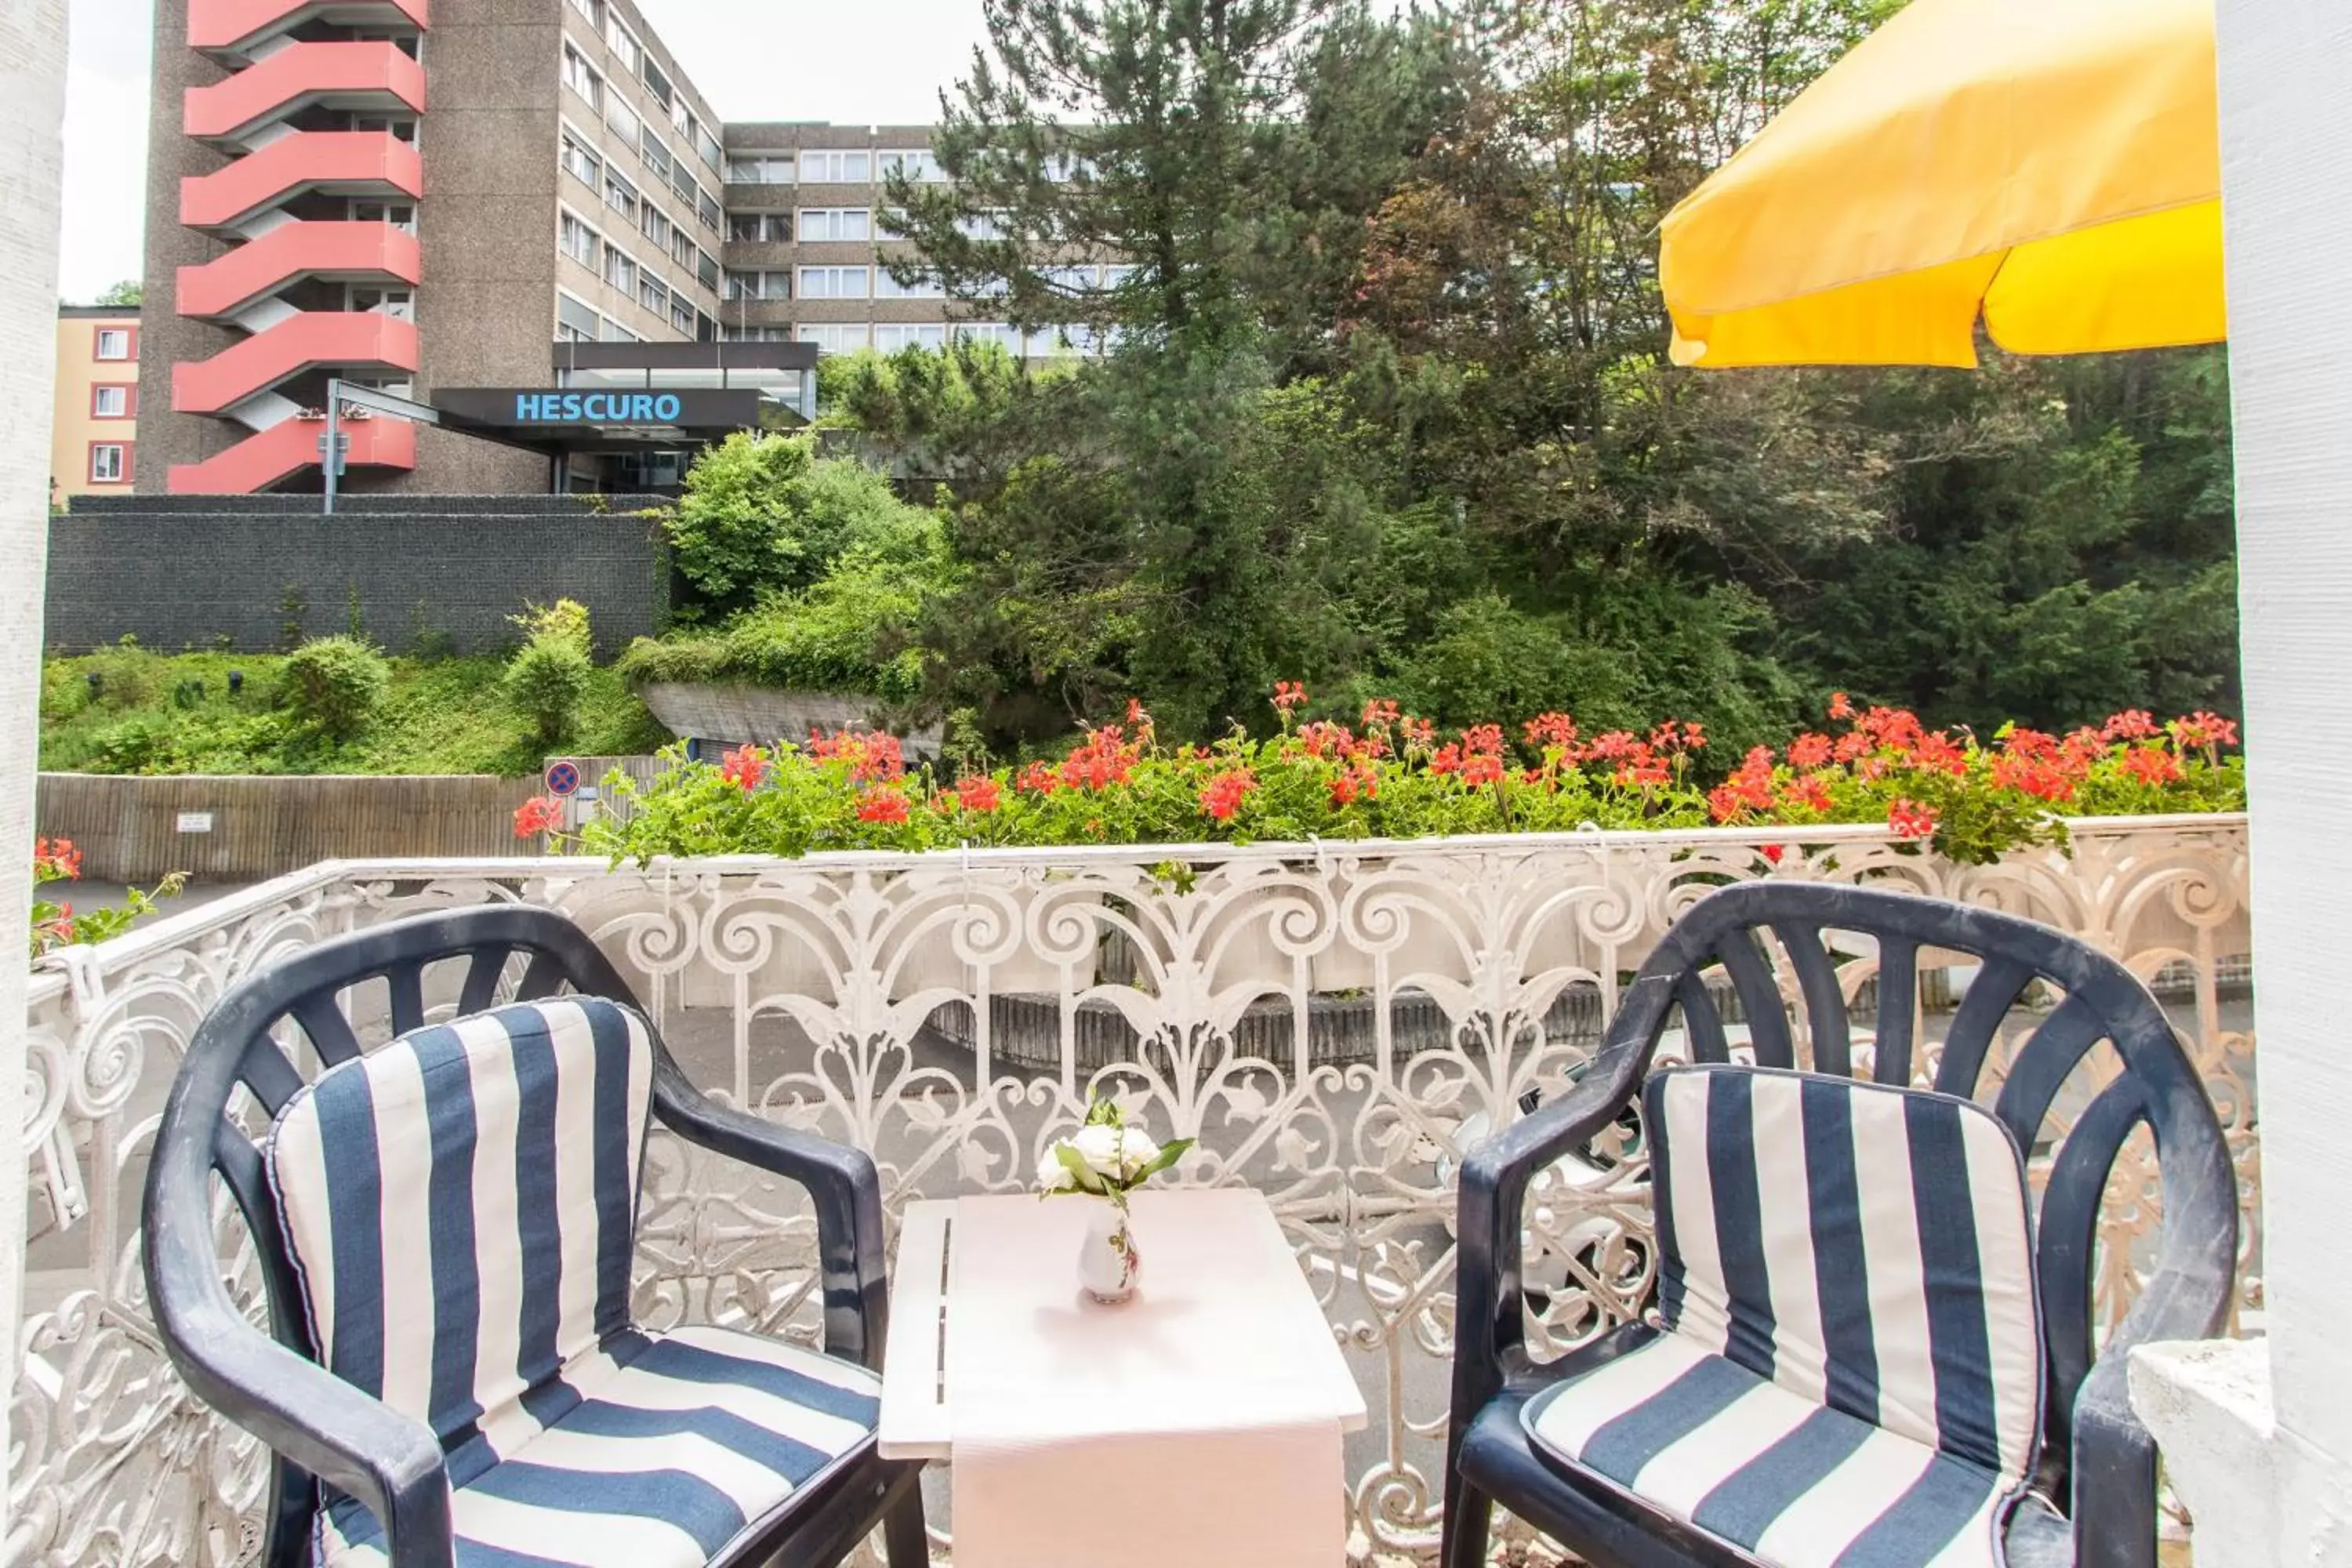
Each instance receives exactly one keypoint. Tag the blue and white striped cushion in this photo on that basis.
(461, 1207)
(1852, 1344)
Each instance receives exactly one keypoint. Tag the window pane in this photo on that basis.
(652, 295)
(623, 120)
(571, 313)
(707, 209)
(656, 156)
(113, 343)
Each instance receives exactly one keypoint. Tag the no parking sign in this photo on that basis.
(563, 778)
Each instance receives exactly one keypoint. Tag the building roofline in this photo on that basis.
(98, 312)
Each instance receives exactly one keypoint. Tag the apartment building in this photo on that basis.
(456, 205)
(428, 201)
(94, 440)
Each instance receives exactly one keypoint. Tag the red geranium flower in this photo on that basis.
(744, 767)
(1222, 795)
(881, 804)
(1287, 695)
(2151, 765)
(1809, 751)
(979, 793)
(1910, 819)
(1841, 706)
(1482, 769)
(537, 816)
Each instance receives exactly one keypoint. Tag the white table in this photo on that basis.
(1260, 1292)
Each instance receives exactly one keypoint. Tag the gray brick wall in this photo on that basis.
(180, 571)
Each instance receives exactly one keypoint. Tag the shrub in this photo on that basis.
(549, 676)
(335, 684)
(763, 514)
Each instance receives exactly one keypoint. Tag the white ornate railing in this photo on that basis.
(1333, 1022)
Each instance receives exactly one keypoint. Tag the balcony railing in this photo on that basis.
(1335, 1023)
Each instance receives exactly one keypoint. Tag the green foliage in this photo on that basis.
(548, 674)
(853, 630)
(334, 684)
(437, 716)
(762, 515)
(126, 292)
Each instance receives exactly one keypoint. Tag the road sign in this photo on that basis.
(342, 454)
(563, 778)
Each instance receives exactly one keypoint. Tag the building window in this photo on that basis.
(681, 315)
(759, 228)
(926, 286)
(836, 223)
(620, 196)
(400, 303)
(759, 285)
(113, 343)
(833, 283)
(682, 121)
(575, 321)
(620, 271)
(706, 268)
(997, 332)
(400, 215)
(623, 122)
(707, 148)
(401, 128)
(655, 225)
(578, 160)
(581, 77)
(681, 246)
(575, 239)
(891, 336)
(1063, 167)
(614, 332)
(760, 169)
(828, 168)
(1116, 277)
(832, 338)
(592, 9)
(626, 48)
(921, 167)
(109, 463)
(652, 295)
(1076, 279)
(656, 156)
(757, 336)
(681, 179)
(110, 401)
(987, 225)
(655, 83)
(707, 209)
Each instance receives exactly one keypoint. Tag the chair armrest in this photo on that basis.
(841, 1182)
(2114, 1508)
(1490, 1204)
(391, 1464)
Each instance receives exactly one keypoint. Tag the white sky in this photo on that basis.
(864, 62)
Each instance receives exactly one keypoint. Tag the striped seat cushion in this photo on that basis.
(1847, 1362)
(661, 1452)
(461, 1208)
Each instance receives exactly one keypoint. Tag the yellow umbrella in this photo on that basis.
(2054, 164)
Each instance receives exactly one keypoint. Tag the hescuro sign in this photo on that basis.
(597, 407)
(555, 409)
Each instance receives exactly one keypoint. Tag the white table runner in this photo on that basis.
(1198, 1423)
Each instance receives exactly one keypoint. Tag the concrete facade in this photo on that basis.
(94, 440)
(574, 187)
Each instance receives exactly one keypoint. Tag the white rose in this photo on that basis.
(1053, 1176)
(1115, 1152)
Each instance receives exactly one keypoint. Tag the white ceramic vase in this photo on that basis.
(1108, 1265)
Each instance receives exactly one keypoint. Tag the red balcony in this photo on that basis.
(354, 252)
(349, 163)
(289, 446)
(229, 26)
(304, 340)
(369, 74)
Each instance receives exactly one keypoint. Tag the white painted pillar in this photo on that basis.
(2258, 1437)
(32, 109)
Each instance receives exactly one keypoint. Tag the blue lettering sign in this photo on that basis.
(597, 408)
(666, 406)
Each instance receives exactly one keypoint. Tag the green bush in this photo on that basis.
(547, 679)
(854, 630)
(335, 684)
(763, 514)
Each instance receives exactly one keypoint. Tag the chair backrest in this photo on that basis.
(316, 992)
(1736, 929)
(1865, 1247)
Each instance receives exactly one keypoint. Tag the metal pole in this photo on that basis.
(334, 438)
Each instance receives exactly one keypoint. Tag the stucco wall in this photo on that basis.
(181, 571)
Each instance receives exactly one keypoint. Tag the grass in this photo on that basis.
(175, 713)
